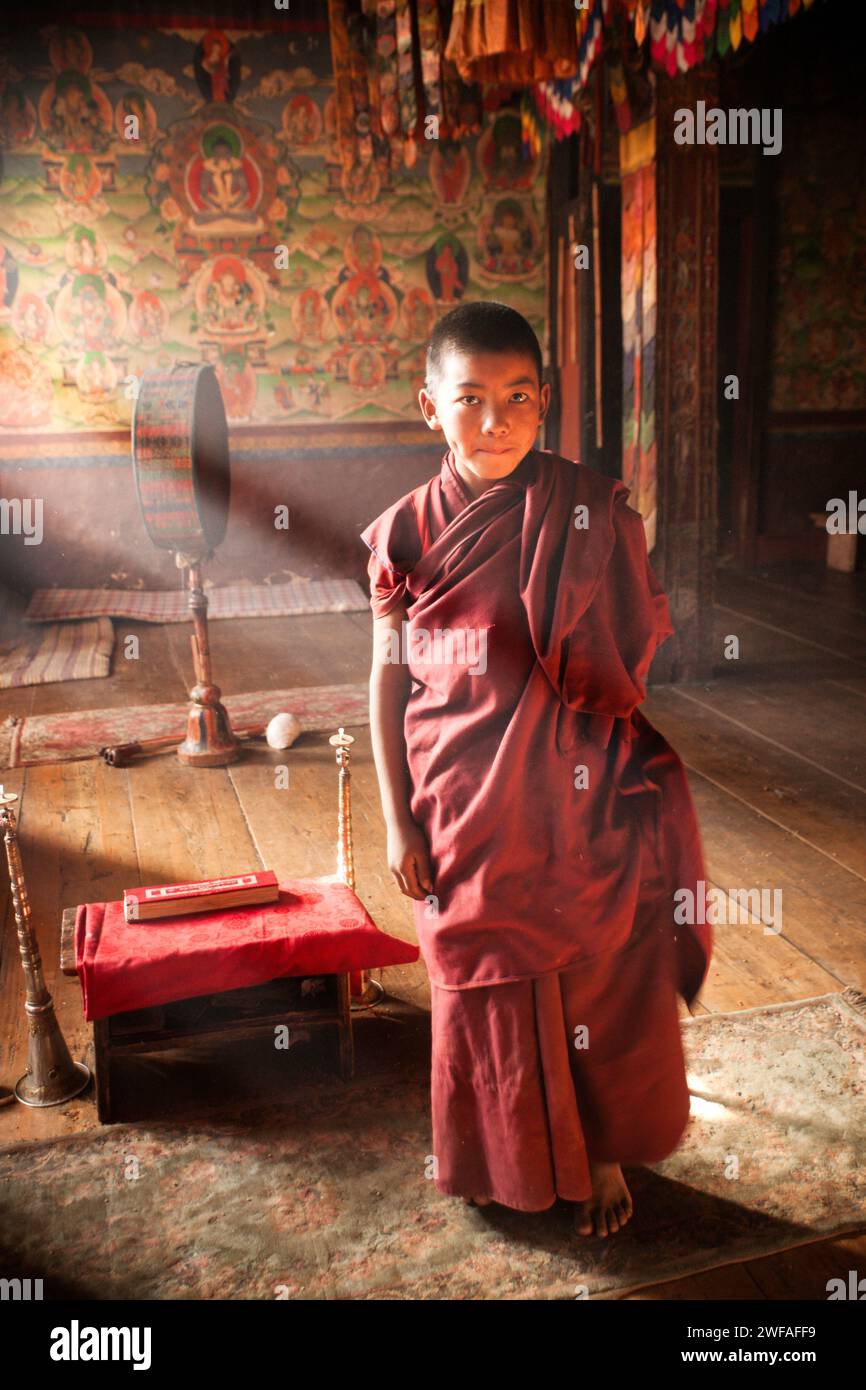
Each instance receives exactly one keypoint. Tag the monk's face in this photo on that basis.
(489, 406)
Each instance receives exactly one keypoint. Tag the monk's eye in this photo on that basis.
(524, 394)
(464, 399)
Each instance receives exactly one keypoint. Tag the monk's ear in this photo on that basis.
(545, 401)
(428, 409)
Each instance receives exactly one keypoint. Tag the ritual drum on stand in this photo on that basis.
(180, 458)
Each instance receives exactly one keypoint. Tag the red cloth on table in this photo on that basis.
(317, 927)
(534, 874)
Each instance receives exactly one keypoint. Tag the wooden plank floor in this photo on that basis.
(775, 745)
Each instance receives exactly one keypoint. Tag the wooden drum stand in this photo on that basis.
(210, 741)
(180, 459)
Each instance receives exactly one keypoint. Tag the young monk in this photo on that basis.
(537, 819)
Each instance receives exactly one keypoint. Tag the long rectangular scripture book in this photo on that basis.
(207, 895)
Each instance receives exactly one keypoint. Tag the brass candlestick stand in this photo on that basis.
(51, 1076)
(210, 741)
(342, 742)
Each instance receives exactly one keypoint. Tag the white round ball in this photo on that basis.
(282, 730)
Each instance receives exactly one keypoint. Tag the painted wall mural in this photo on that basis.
(178, 195)
(818, 334)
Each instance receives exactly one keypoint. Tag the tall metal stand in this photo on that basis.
(342, 742)
(51, 1076)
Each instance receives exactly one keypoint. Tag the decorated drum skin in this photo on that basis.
(180, 458)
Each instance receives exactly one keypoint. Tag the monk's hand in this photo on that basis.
(409, 860)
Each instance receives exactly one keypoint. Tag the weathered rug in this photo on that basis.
(56, 738)
(329, 1195)
(60, 652)
(233, 601)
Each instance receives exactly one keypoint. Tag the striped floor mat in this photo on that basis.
(234, 601)
(59, 652)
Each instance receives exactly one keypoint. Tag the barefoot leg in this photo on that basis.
(609, 1207)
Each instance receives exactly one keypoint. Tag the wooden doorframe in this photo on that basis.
(687, 388)
(565, 434)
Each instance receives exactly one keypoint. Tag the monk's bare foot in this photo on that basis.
(609, 1207)
(478, 1201)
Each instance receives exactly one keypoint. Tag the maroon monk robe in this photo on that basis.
(557, 817)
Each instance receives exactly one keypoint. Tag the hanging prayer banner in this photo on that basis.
(682, 34)
(638, 182)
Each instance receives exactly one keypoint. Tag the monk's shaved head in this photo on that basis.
(480, 326)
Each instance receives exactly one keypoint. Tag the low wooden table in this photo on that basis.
(300, 1003)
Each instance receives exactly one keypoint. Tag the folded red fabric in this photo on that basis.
(319, 926)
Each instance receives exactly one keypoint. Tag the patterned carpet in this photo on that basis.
(57, 738)
(329, 1195)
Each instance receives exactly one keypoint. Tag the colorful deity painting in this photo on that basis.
(450, 171)
(17, 118)
(238, 384)
(507, 240)
(80, 179)
(215, 182)
(224, 184)
(183, 193)
(96, 376)
(230, 299)
(148, 318)
(302, 120)
(70, 49)
(308, 316)
(85, 250)
(25, 390)
(135, 120)
(75, 114)
(217, 66)
(31, 318)
(447, 268)
(502, 160)
(363, 250)
(364, 307)
(419, 314)
(90, 313)
(366, 370)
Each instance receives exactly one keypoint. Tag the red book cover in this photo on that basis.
(205, 895)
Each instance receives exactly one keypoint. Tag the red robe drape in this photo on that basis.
(558, 818)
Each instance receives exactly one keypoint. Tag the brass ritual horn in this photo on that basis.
(51, 1076)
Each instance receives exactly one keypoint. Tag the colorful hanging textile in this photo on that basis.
(461, 103)
(589, 25)
(681, 35)
(430, 42)
(530, 128)
(516, 41)
(557, 103)
(344, 96)
(386, 61)
(358, 98)
(637, 152)
(360, 86)
(406, 81)
(684, 33)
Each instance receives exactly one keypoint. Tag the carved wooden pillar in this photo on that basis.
(687, 389)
